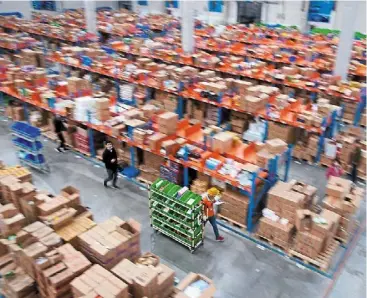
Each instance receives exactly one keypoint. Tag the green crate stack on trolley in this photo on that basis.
(176, 212)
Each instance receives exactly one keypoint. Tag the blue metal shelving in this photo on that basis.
(27, 141)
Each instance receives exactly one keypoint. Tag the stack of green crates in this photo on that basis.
(177, 218)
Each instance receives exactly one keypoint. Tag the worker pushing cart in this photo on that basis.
(210, 200)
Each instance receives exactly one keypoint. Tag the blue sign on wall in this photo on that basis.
(44, 5)
(320, 11)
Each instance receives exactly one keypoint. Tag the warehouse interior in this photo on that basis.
(261, 102)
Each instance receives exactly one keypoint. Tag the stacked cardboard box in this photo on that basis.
(82, 140)
(222, 142)
(6, 258)
(239, 122)
(111, 241)
(315, 232)
(11, 220)
(286, 198)
(280, 131)
(167, 123)
(19, 285)
(344, 200)
(276, 232)
(97, 281)
(144, 279)
(56, 269)
(76, 227)
(102, 109)
(199, 186)
(31, 242)
(235, 206)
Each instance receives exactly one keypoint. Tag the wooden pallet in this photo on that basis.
(232, 222)
(144, 181)
(323, 260)
(354, 230)
(271, 243)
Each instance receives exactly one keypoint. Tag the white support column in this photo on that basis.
(90, 16)
(346, 38)
(156, 6)
(187, 25)
(232, 11)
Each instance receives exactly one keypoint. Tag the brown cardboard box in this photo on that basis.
(99, 280)
(72, 194)
(304, 220)
(338, 187)
(111, 241)
(155, 141)
(276, 146)
(222, 142)
(167, 123)
(145, 282)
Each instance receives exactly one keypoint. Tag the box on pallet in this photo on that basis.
(111, 241)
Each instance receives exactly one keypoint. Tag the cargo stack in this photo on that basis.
(111, 241)
(235, 207)
(315, 233)
(82, 140)
(103, 109)
(56, 269)
(284, 199)
(11, 220)
(19, 285)
(167, 123)
(343, 199)
(97, 281)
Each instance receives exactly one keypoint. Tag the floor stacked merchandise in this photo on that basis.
(155, 122)
(52, 252)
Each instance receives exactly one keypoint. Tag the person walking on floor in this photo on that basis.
(334, 169)
(209, 215)
(109, 158)
(355, 160)
(59, 127)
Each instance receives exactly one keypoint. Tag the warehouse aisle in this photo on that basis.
(237, 265)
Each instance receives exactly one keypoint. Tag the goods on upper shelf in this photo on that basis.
(16, 41)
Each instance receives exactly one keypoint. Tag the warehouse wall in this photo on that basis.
(24, 7)
(290, 13)
(80, 4)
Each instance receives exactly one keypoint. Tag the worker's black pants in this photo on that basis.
(62, 140)
(354, 173)
(112, 176)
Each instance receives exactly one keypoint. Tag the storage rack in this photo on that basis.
(268, 178)
(26, 139)
(188, 94)
(248, 236)
(179, 218)
(239, 49)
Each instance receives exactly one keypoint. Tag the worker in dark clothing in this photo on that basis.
(59, 127)
(110, 160)
(355, 159)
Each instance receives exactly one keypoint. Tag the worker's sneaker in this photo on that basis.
(220, 239)
(58, 150)
(105, 184)
(115, 187)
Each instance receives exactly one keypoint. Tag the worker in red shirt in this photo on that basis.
(208, 201)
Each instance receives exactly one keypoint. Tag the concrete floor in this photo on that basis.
(239, 267)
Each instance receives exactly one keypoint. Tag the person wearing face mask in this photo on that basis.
(109, 158)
